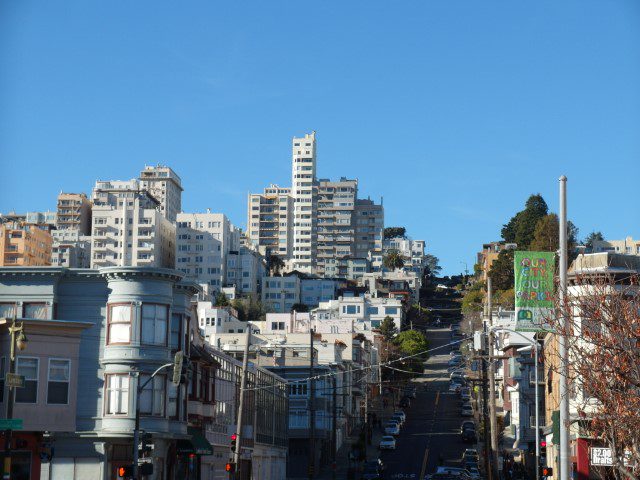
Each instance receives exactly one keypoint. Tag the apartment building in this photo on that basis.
(270, 221)
(401, 284)
(70, 249)
(369, 227)
(204, 241)
(335, 221)
(489, 254)
(365, 309)
(411, 250)
(165, 186)
(245, 269)
(304, 192)
(74, 213)
(628, 246)
(24, 244)
(280, 294)
(128, 227)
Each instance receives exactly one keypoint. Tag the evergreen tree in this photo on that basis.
(221, 300)
(501, 271)
(592, 237)
(393, 259)
(388, 328)
(521, 227)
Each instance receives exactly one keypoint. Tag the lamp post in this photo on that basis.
(21, 343)
(535, 346)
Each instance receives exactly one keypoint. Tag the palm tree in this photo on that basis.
(393, 260)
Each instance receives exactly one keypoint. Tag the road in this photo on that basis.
(433, 421)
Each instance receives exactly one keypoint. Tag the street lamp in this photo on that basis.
(20, 342)
(535, 345)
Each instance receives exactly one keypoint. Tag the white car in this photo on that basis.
(387, 443)
(466, 411)
(400, 414)
(392, 429)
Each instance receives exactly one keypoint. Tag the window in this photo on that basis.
(391, 310)
(351, 309)
(297, 389)
(176, 329)
(7, 310)
(35, 310)
(29, 368)
(2, 368)
(172, 400)
(119, 323)
(58, 382)
(372, 310)
(154, 324)
(117, 394)
(152, 396)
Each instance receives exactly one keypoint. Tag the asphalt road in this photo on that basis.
(433, 421)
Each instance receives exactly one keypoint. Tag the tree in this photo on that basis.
(603, 340)
(432, 265)
(593, 237)
(393, 260)
(300, 307)
(546, 234)
(414, 343)
(472, 301)
(388, 328)
(221, 300)
(249, 308)
(276, 265)
(392, 232)
(501, 271)
(522, 225)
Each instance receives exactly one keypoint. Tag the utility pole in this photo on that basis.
(485, 423)
(492, 384)
(334, 430)
(565, 450)
(243, 385)
(312, 408)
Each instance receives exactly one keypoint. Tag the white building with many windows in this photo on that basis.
(165, 186)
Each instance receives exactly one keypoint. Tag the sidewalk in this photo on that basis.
(342, 456)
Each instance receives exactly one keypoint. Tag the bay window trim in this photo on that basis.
(167, 325)
(107, 391)
(109, 318)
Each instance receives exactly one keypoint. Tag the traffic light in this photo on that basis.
(230, 467)
(125, 471)
(546, 471)
(234, 438)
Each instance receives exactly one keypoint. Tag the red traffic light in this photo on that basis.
(546, 471)
(234, 437)
(125, 472)
(543, 443)
(230, 467)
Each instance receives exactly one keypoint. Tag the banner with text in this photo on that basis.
(533, 290)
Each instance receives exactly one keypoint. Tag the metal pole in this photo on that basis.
(136, 429)
(492, 385)
(334, 440)
(312, 411)
(243, 384)
(565, 449)
(11, 398)
(537, 407)
(485, 423)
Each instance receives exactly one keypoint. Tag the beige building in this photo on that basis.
(129, 229)
(24, 244)
(165, 186)
(489, 254)
(627, 246)
(70, 249)
(369, 227)
(270, 221)
(74, 213)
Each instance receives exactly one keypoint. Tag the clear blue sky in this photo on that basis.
(453, 111)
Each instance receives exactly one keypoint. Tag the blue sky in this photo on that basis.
(453, 111)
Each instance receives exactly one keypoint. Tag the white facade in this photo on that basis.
(70, 249)
(245, 269)
(627, 246)
(411, 250)
(128, 229)
(165, 186)
(304, 193)
(203, 242)
(394, 282)
(361, 309)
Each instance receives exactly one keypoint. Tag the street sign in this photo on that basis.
(11, 424)
(14, 380)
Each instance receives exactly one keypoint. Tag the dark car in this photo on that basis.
(467, 425)
(469, 436)
(405, 402)
(371, 471)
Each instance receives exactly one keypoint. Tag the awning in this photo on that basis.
(197, 444)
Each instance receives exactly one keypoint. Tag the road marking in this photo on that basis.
(424, 463)
(437, 398)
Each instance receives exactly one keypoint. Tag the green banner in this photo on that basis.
(533, 290)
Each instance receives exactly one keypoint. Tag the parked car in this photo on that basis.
(392, 428)
(459, 472)
(469, 436)
(405, 402)
(410, 392)
(465, 394)
(455, 361)
(466, 405)
(398, 419)
(401, 414)
(475, 473)
(468, 425)
(388, 443)
(466, 411)
(468, 465)
(371, 472)
(455, 387)
(470, 452)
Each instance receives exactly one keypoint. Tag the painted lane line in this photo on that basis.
(424, 463)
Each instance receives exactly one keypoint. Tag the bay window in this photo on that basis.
(58, 381)
(117, 394)
(152, 396)
(176, 332)
(154, 324)
(119, 323)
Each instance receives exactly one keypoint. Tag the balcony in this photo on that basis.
(145, 246)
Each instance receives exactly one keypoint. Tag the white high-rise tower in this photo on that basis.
(304, 193)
